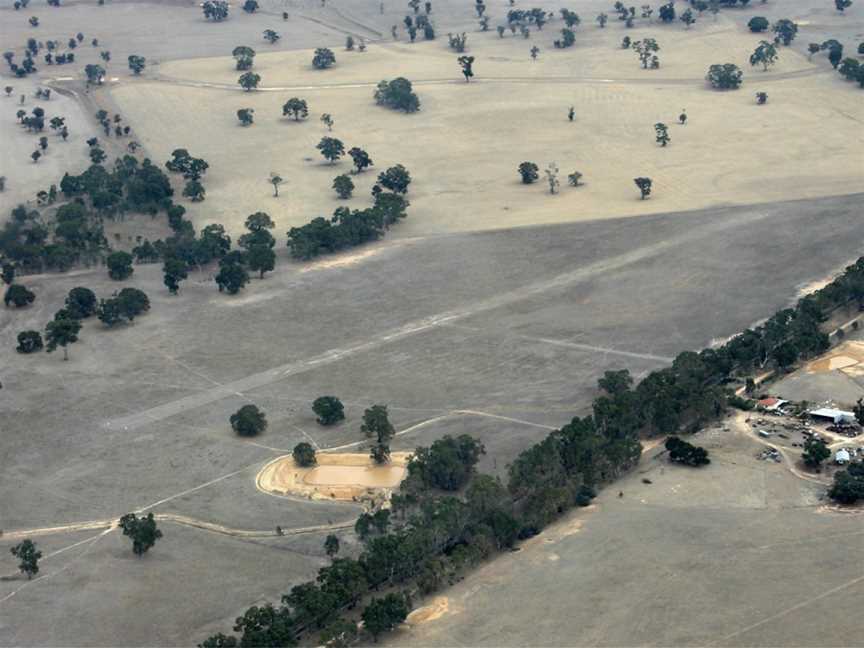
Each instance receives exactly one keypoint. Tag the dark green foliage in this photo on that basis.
(119, 265)
(29, 342)
(266, 627)
(644, 185)
(529, 172)
(344, 230)
(785, 31)
(232, 275)
(296, 107)
(331, 544)
(215, 10)
(343, 186)
(261, 259)
(398, 95)
(384, 614)
(667, 12)
(250, 6)
(726, 76)
(331, 148)
(815, 452)
(339, 634)
(328, 409)
(246, 116)
(686, 453)
(175, 270)
(396, 179)
(615, 382)
(18, 296)
(142, 531)
(137, 64)
(8, 275)
(376, 423)
(848, 487)
(380, 453)
(248, 421)
(304, 454)
(123, 307)
(249, 80)
(360, 158)
(29, 556)
(81, 302)
(758, 24)
(61, 332)
(447, 464)
(568, 38)
(323, 58)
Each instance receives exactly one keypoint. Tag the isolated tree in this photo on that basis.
(18, 296)
(761, 98)
(812, 48)
(95, 73)
(360, 158)
(815, 452)
(119, 265)
(61, 332)
(396, 179)
(850, 69)
(758, 24)
(534, 52)
(529, 172)
(667, 12)
(271, 36)
(645, 49)
(304, 454)
(602, 19)
(726, 76)
(275, 180)
(245, 57)
(174, 270)
(376, 424)
(686, 453)
(142, 531)
(765, 55)
(323, 58)
(662, 132)
(97, 155)
(842, 5)
(261, 259)
(81, 302)
(380, 453)
(248, 421)
(644, 185)
(384, 614)
(785, 31)
(250, 6)
(573, 178)
(328, 409)
(296, 107)
(331, 149)
(343, 186)
(29, 342)
(687, 18)
(327, 120)
(467, 63)
(137, 63)
(8, 273)
(28, 556)
(216, 10)
(398, 95)
(249, 81)
(35, 155)
(246, 116)
(835, 55)
(331, 545)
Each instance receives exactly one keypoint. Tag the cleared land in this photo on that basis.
(459, 329)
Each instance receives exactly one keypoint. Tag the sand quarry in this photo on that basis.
(490, 311)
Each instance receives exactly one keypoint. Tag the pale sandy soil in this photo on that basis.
(464, 163)
(846, 357)
(343, 476)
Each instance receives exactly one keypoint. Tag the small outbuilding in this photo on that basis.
(834, 415)
(842, 457)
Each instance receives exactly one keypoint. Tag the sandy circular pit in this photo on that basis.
(347, 476)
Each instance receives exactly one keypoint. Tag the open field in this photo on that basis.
(492, 310)
(728, 153)
(137, 419)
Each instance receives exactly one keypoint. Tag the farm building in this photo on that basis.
(833, 415)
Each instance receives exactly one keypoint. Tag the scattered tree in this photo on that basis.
(142, 531)
(815, 452)
(529, 172)
(758, 24)
(328, 409)
(682, 452)
(61, 332)
(331, 149)
(761, 98)
(645, 49)
(384, 614)
(396, 179)
(785, 31)
(360, 158)
(466, 63)
(343, 186)
(296, 107)
(765, 54)
(304, 454)
(119, 265)
(323, 58)
(726, 76)
(275, 180)
(271, 36)
(644, 185)
(248, 421)
(662, 132)
(249, 81)
(573, 178)
(327, 120)
(29, 342)
(137, 63)
(331, 545)
(216, 10)
(552, 177)
(246, 116)
(18, 296)
(81, 302)
(175, 270)
(398, 95)
(28, 556)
